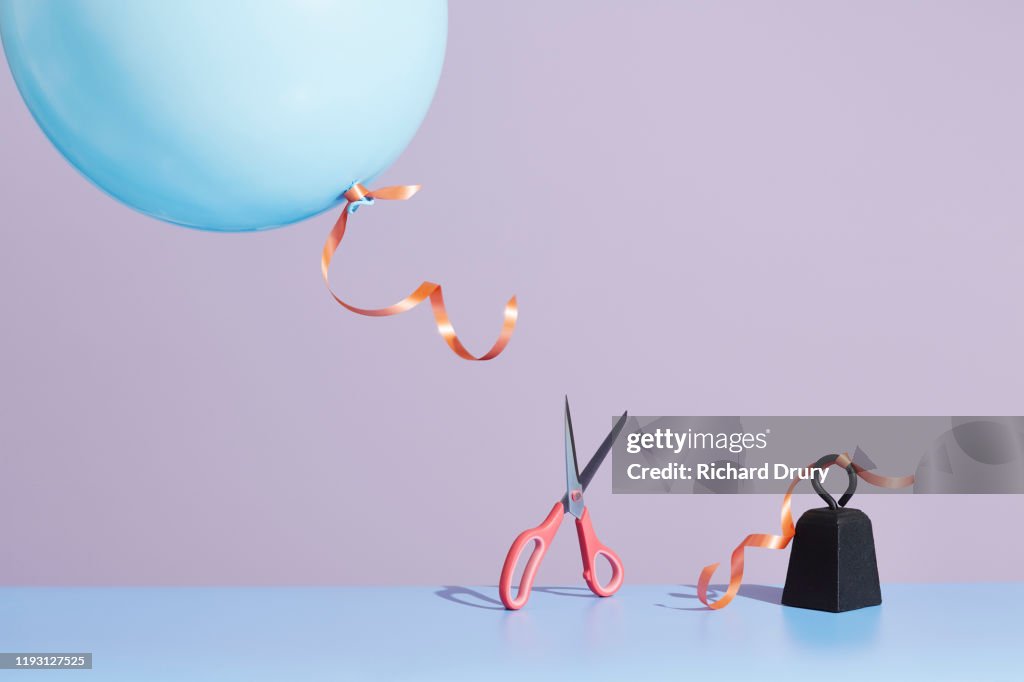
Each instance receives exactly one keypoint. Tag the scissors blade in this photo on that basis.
(595, 462)
(573, 501)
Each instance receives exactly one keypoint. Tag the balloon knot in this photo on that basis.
(357, 196)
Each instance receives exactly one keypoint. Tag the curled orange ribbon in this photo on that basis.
(781, 541)
(357, 196)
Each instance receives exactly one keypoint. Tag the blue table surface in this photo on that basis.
(645, 632)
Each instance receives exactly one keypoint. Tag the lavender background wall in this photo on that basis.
(805, 208)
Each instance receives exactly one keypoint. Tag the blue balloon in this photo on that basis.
(228, 116)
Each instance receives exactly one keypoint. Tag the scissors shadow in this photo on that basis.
(568, 592)
(465, 596)
(768, 594)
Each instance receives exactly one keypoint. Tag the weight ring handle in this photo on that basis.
(824, 494)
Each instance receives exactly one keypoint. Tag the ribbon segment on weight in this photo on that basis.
(781, 541)
(357, 196)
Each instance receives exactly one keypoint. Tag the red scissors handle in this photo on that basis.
(591, 548)
(541, 537)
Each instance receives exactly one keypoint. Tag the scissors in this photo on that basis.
(542, 535)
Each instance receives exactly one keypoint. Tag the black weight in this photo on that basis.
(832, 566)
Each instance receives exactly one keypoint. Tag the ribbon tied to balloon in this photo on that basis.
(357, 196)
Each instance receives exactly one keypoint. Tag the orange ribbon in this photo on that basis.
(781, 541)
(357, 196)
